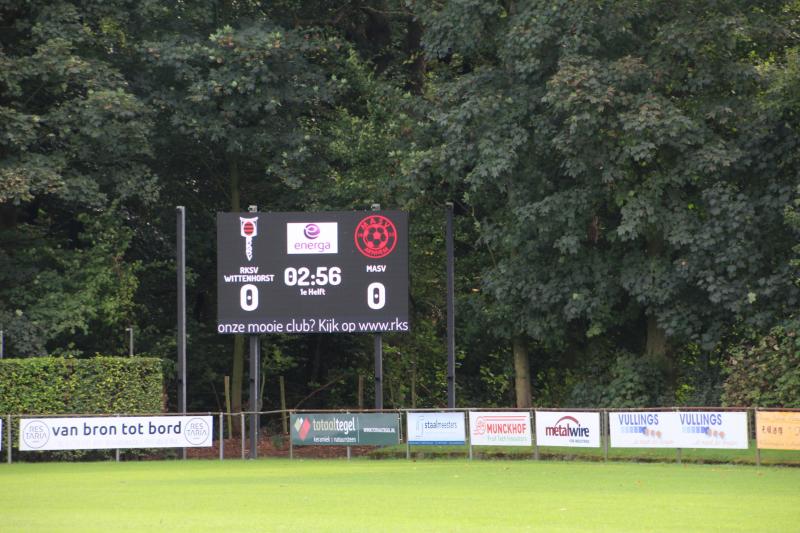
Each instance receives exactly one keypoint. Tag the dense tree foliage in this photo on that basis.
(624, 179)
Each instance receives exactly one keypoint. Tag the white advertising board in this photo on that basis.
(96, 433)
(436, 428)
(644, 429)
(568, 428)
(713, 429)
(499, 428)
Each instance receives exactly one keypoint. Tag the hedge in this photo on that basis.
(55, 385)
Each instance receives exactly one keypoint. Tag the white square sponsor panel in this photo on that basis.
(97, 433)
(713, 429)
(644, 429)
(312, 238)
(499, 428)
(436, 428)
(568, 428)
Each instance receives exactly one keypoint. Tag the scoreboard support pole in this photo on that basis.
(255, 407)
(181, 260)
(451, 313)
(378, 371)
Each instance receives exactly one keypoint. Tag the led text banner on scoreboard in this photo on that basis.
(327, 272)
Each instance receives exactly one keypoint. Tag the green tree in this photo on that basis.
(626, 181)
(74, 152)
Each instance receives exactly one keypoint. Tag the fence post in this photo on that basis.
(605, 432)
(116, 453)
(469, 436)
(241, 417)
(221, 438)
(535, 441)
(8, 419)
(755, 437)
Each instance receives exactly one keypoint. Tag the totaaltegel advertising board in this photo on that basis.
(325, 272)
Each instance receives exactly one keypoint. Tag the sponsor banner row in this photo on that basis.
(97, 433)
(677, 429)
(345, 429)
(657, 429)
(778, 430)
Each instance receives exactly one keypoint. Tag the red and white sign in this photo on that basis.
(498, 428)
(568, 428)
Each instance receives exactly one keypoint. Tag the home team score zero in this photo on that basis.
(326, 272)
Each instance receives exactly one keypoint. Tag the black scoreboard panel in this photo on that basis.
(326, 272)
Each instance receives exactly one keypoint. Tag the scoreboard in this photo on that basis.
(324, 272)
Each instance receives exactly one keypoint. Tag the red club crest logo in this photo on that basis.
(376, 236)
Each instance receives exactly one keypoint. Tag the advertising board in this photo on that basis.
(778, 430)
(436, 428)
(713, 429)
(322, 429)
(97, 433)
(644, 429)
(568, 428)
(325, 272)
(678, 429)
(499, 428)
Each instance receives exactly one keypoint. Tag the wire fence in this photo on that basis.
(620, 434)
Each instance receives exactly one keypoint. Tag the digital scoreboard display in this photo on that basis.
(326, 272)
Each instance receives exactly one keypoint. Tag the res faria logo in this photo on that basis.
(568, 427)
(302, 426)
(248, 230)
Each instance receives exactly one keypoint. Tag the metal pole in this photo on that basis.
(606, 433)
(130, 341)
(255, 365)
(451, 317)
(378, 349)
(221, 438)
(8, 419)
(181, 265)
(2, 343)
(378, 372)
(241, 419)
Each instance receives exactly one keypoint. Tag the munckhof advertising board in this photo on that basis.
(435, 428)
(98, 433)
(323, 429)
(499, 428)
(325, 272)
(568, 428)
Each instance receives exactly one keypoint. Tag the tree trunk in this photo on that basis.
(522, 373)
(656, 344)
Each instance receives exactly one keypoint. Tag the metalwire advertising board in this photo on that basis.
(326, 272)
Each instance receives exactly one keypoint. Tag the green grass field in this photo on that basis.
(396, 495)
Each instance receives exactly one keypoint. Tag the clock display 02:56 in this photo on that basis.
(304, 277)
